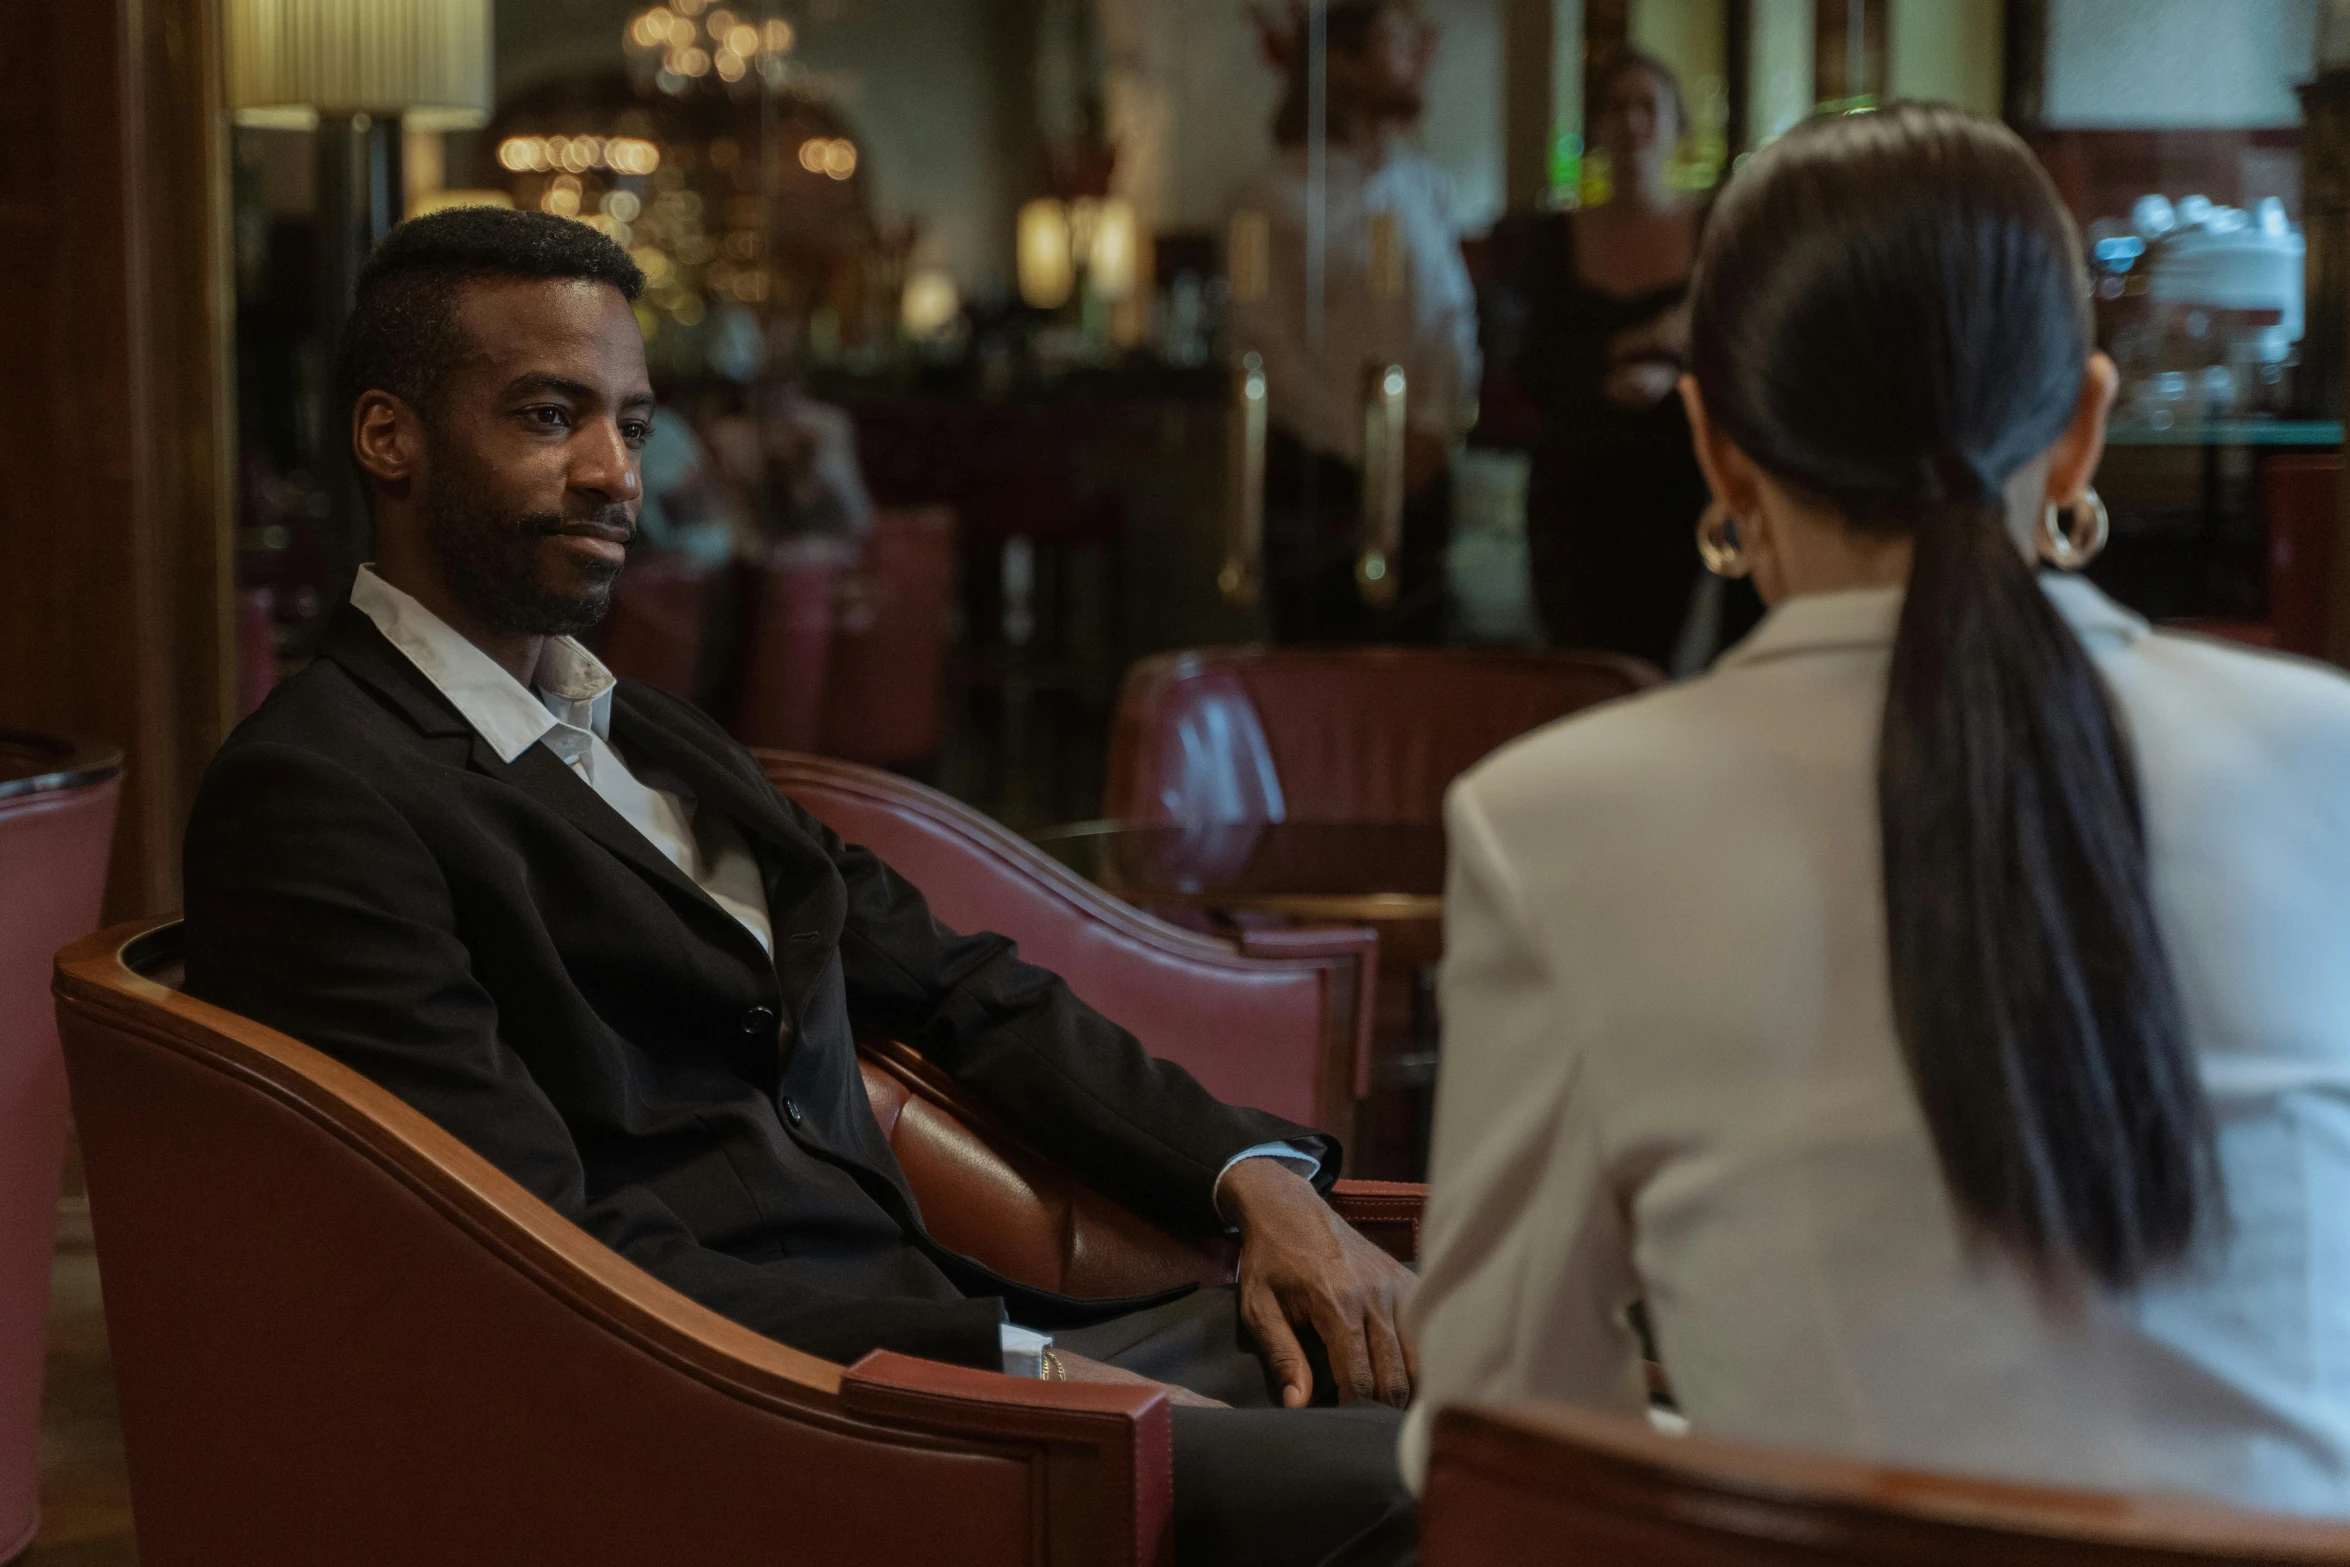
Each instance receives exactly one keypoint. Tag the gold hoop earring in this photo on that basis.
(1721, 543)
(2072, 536)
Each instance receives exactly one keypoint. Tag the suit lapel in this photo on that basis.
(353, 641)
(803, 892)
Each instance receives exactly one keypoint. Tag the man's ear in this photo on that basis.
(1729, 472)
(387, 439)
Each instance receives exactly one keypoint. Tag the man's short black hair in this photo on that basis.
(402, 334)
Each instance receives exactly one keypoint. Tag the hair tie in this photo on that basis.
(1949, 477)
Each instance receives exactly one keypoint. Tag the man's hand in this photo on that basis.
(1300, 1263)
(1076, 1368)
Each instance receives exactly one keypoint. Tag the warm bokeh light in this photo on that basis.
(622, 205)
(560, 199)
(578, 154)
(1047, 274)
(930, 305)
(743, 39)
(690, 62)
(812, 155)
(631, 155)
(719, 22)
(731, 66)
(651, 28)
(840, 158)
(1113, 259)
(778, 37)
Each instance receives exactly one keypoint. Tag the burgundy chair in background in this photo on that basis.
(787, 655)
(1256, 734)
(891, 619)
(57, 807)
(659, 623)
(1538, 1484)
(1332, 734)
(339, 1335)
(1279, 1019)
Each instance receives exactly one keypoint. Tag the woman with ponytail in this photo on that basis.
(1938, 1015)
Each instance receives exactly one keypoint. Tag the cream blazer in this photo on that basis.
(1670, 1074)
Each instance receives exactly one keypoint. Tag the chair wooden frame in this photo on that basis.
(1510, 1486)
(1092, 1460)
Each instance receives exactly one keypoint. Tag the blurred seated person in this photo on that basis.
(1378, 57)
(568, 919)
(685, 511)
(1938, 1014)
(799, 457)
(1599, 345)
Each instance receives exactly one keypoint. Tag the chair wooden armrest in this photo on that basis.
(1109, 1454)
(1388, 1212)
(1531, 1484)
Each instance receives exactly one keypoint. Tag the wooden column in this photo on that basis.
(116, 521)
(2325, 346)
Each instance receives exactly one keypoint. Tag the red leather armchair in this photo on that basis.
(1537, 1484)
(1332, 734)
(57, 805)
(341, 1336)
(1279, 1020)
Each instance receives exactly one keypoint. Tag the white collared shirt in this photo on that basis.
(571, 714)
(1670, 1073)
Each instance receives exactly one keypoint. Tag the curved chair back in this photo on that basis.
(1333, 734)
(339, 1335)
(1543, 1483)
(57, 807)
(1282, 1024)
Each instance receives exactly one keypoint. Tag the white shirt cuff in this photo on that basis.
(1023, 1349)
(1289, 1154)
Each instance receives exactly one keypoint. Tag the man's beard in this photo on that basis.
(490, 558)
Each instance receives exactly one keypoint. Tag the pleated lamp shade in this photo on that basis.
(427, 61)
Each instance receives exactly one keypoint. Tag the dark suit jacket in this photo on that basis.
(501, 949)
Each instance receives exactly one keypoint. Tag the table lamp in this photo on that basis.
(357, 73)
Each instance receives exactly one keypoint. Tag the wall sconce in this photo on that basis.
(1048, 267)
(1056, 239)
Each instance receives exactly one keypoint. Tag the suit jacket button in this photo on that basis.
(791, 1111)
(759, 1020)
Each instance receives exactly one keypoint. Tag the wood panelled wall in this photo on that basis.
(116, 517)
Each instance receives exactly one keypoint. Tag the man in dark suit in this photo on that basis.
(568, 919)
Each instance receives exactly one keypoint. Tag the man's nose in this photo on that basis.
(605, 467)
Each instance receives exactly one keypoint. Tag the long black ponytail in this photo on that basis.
(1890, 314)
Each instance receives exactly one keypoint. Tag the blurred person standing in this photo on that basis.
(1394, 292)
(1615, 489)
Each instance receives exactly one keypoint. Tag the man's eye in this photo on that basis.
(547, 414)
(635, 431)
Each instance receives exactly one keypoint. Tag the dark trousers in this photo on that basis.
(1313, 531)
(1257, 1485)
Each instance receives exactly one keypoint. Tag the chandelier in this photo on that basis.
(686, 42)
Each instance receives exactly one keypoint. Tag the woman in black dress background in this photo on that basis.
(1614, 497)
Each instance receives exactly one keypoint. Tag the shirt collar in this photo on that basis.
(574, 688)
(1868, 618)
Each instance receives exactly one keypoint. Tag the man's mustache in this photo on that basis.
(610, 523)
